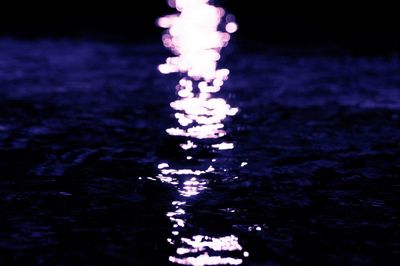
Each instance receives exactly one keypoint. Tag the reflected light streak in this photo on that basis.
(201, 117)
(192, 187)
(196, 36)
(201, 244)
(188, 145)
(190, 248)
(205, 259)
(227, 243)
(188, 181)
(223, 146)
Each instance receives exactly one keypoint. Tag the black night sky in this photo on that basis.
(362, 27)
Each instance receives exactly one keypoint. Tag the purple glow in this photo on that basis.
(193, 36)
(196, 36)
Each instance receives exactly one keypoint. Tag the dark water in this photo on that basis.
(312, 179)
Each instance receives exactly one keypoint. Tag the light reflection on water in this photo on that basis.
(196, 36)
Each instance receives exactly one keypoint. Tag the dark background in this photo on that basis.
(82, 120)
(360, 26)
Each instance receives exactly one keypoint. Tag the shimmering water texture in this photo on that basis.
(196, 36)
(82, 121)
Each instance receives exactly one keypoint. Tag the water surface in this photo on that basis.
(306, 172)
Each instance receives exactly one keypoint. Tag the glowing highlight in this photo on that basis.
(196, 35)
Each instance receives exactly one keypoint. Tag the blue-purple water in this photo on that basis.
(82, 133)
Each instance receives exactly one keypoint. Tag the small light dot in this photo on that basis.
(231, 27)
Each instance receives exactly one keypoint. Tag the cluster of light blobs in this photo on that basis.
(195, 250)
(192, 183)
(194, 36)
(200, 116)
(200, 244)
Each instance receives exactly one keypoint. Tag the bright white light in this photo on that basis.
(201, 244)
(206, 259)
(223, 146)
(231, 27)
(201, 118)
(163, 165)
(194, 37)
(188, 145)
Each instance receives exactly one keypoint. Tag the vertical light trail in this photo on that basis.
(196, 35)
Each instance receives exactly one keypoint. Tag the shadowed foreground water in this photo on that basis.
(313, 178)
